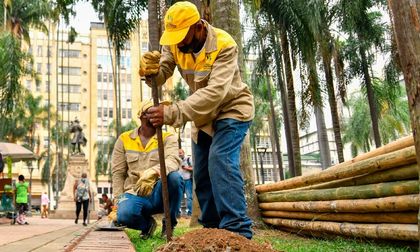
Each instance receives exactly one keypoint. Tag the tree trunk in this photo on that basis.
(386, 204)
(323, 143)
(225, 15)
(274, 125)
(397, 217)
(315, 90)
(291, 100)
(326, 60)
(273, 150)
(406, 23)
(346, 170)
(371, 98)
(351, 192)
(405, 232)
(254, 142)
(283, 93)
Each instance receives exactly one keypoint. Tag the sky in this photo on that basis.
(84, 15)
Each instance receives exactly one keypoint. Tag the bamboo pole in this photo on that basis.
(397, 217)
(351, 192)
(394, 174)
(386, 204)
(405, 232)
(382, 162)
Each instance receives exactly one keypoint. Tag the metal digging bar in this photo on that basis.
(154, 23)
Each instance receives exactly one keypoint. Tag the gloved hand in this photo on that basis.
(112, 216)
(149, 63)
(146, 182)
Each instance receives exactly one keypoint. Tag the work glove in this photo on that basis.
(112, 216)
(149, 63)
(146, 182)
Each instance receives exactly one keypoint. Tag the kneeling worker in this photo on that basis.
(136, 185)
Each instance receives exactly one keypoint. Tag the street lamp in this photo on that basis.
(261, 150)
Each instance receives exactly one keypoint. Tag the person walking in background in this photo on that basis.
(44, 205)
(82, 196)
(220, 106)
(22, 190)
(186, 171)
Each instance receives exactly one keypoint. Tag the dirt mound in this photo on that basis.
(213, 240)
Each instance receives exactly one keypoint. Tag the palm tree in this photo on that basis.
(326, 48)
(13, 64)
(365, 31)
(394, 115)
(21, 15)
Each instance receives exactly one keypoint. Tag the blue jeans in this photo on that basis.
(218, 180)
(136, 212)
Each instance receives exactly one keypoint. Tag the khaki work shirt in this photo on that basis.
(130, 159)
(214, 80)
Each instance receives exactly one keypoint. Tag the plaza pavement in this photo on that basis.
(51, 235)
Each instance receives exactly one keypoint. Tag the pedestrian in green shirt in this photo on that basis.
(22, 190)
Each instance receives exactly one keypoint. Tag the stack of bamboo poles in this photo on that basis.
(374, 195)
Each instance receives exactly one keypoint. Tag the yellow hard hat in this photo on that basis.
(178, 20)
(145, 105)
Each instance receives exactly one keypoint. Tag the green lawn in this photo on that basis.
(281, 241)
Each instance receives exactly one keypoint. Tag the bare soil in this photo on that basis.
(213, 240)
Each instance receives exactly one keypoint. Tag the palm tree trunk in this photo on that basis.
(254, 145)
(406, 26)
(49, 51)
(371, 98)
(226, 17)
(273, 150)
(323, 143)
(291, 100)
(283, 93)
(58, 112)
(326, 60)
(275, 130)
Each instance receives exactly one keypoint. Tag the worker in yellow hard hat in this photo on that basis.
(136, 183)
(220, 106)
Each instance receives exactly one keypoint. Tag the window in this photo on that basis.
(111, 114)
(70, 53)
(106, 190)
(28, 84)
(74, 88)
(47, 86)
(69, 106)
(69, 70)
(124, 113)
(144, 47)
(39, 67)
(129, 113)
(39, 51)
(49, 52)
(48, 68)
(99, 76)
(99, 190)
(38, 86)
(99, 112)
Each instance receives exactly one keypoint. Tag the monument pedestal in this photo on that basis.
(66, 209)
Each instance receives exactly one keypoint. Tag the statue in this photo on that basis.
(78, 137)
